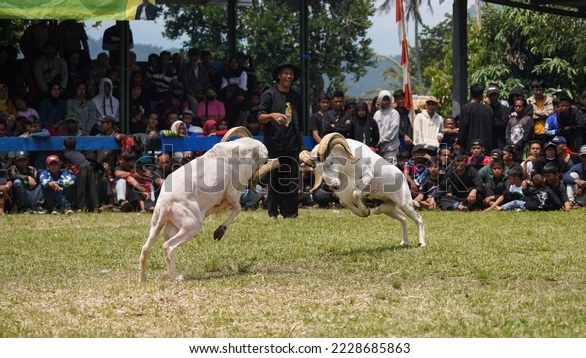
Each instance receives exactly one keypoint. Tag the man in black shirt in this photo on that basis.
(279, 111)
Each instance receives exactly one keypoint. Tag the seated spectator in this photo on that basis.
(6, 105)
(106, 104)
(53, 110)
(153, 121)
(22, 108)
(462, 188)
(237, 109)
(495, 186)
(485, 172)
(86, 190)
(444, 159)
(415, 170)
(575, 180)
(402, 158)
(178, 129)
(536, 197)
(33, 129)
(163, 75)
(426, 190)
(144, 199)
(211, 107)
(138, 107)
(210, 127)
(123, 174)
(564, 153)
(556, 185)
(254, 126)
(513, 190)
(235, 74)
(477, 159)
(5, 190)
(57, 186)
(534, 153)
(509, 158)
(86, 110)
(50, 68)
(26, 191)
(193, 128)
(26, 85)
(172, 101)
(70, 127)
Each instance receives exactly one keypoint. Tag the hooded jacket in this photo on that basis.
(426, 129)
(388, 121)
(107, 104)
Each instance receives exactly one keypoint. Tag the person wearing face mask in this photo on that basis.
(211, 108)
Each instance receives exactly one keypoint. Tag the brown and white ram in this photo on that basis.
(210, 184)
(364, 182)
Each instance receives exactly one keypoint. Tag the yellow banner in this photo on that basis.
(77, 9)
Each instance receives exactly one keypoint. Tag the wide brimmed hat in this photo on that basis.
(277, 70)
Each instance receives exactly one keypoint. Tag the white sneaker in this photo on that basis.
(54, 212)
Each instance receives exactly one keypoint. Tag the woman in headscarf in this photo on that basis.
(178, 129)
(6, 105)
(365, 129)
(53, 109)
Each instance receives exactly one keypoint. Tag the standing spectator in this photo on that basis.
(279, 112)
(195, 78)
(336, 119)
(99, 71)
(111, 42)
(35, 37)
(7, 69)
(365, 129)
(428, 127)
(542, 108)
(450, 133)
(552, 126)
(406, 127)
(145, 11)
(500, 115)
(571, 123)
(5, 188)
(76, 71)
(26, 84)
(316, 119)
(50, 68)
(138, 106)
(28, 195)
(519, 128)
(248, 59)
(388, 121)
(71, 37)
(57, 186)
(476, 120)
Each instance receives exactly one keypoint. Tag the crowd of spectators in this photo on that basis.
(496, 154)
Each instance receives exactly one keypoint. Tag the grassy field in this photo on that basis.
(326, 274)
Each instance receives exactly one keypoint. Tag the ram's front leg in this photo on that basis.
(359, 208)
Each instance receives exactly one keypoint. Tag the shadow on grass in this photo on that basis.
(370, 250)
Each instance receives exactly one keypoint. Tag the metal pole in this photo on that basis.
(124, 48)
(459, 55)
(304, 55)
(231, 28)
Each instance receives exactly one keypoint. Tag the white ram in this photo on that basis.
(364, 182)
(210, 184)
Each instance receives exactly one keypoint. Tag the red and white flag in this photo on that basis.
(404, 52)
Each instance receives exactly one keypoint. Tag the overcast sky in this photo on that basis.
(383, 31)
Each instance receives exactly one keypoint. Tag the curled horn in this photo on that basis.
(236, 132)
(330, 141)
(305, 157)
(261, 172)
(318, 180)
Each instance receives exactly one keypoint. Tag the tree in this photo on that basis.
(338, 44)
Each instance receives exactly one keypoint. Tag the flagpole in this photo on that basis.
(405, 59)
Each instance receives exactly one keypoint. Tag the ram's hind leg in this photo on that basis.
(409, 210)
(391, 210)
(174, 237)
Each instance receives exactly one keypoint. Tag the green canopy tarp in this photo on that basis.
(69, 9)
